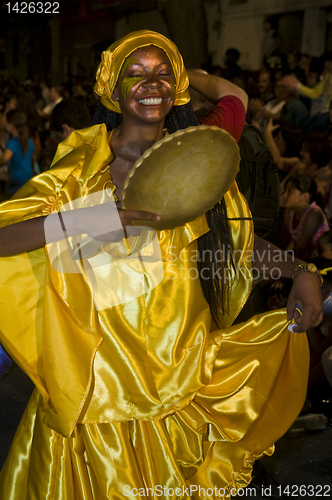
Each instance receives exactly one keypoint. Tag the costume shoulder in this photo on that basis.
(83, 153)
(94, 137)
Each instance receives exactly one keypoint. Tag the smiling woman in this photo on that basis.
(139, 398)
(145, 90)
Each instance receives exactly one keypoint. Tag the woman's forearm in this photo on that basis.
(26, 236)
(104, 222)
(214, 88)
(267, 257)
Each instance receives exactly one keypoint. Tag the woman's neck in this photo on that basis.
(138, 138)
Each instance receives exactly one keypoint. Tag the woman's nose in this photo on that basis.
(151, 82)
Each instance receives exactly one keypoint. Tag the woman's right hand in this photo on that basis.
(104, 222)
(127, 216)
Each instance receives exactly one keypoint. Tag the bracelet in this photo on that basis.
(61, 222)
(306, 268)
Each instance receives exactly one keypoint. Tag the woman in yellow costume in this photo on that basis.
(139, 399)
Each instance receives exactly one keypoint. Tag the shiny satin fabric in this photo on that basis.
(113, 58)
(257, 388)
(142, 393)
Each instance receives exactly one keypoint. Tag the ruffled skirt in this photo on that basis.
(204, 450)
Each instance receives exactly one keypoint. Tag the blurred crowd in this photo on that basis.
(34, 118)
(289, 102)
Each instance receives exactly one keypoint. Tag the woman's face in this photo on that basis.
(146, 86)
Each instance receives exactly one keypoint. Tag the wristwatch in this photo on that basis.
(306, 268)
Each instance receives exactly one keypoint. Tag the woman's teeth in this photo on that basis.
(151, 101)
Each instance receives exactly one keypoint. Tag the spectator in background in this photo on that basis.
(257, 106)
(304, 63)
(70, 114)
(18, 154)
(292, 60)
(10, 101)
(271, 40)
(26, 103)
(322, 91)
(232, 69)
(312, 80)
(285, 147)
(55, 96)
(261, 114)
(315, 162)
(294, 111)
(304, 221)
(265, 86)
(324, 88)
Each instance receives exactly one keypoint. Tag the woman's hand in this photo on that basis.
(104, 222)
(306, 292)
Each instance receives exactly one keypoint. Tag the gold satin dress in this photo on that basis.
(140, 399)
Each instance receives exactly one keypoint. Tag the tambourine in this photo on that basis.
(182, 176)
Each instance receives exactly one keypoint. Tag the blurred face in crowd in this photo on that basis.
(264, 82)
(291, 58)
(312, 79)
(282, 91)
(304, 62)
(11, 129)
(293, 197)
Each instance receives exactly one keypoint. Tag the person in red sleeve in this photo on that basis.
(229, 102)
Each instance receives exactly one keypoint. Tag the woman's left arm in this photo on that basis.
(6, 157)
(213, 87)
(306, 290)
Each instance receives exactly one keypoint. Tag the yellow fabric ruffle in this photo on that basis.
(141, 393)
(256, 390)
(43, 339)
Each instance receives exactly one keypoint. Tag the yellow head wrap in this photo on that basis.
(113, 58)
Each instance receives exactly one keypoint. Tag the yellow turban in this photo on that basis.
(113, 58)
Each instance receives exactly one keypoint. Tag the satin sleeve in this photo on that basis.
(38, 197)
